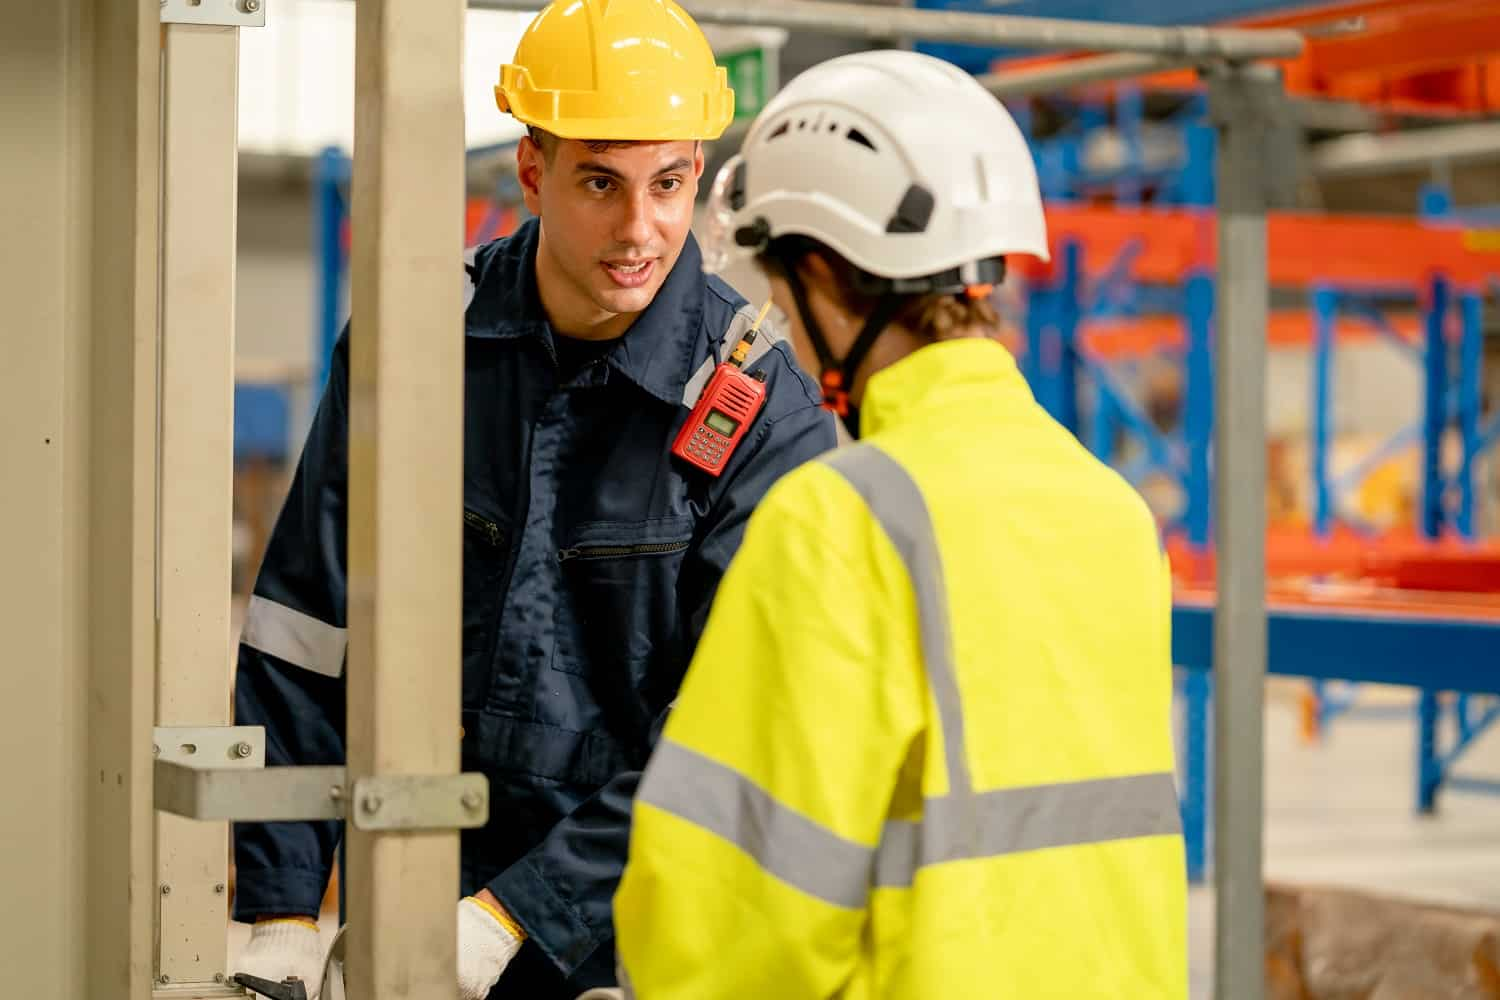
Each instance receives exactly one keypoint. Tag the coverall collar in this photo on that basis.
(938, 375)
(657, 353)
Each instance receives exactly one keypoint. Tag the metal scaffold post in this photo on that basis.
(1241, 98)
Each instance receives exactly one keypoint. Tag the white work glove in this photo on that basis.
(487, 940)
(603, 993)
(282, 948)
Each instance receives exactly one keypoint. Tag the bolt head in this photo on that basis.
(219, 977)
(371, 804)
(471, 801)
(252, 6)
(220, 888)
(336, 792)
(243, 749)
(166, 890)
(164, 979)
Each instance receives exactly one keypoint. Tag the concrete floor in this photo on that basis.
(1340, 813)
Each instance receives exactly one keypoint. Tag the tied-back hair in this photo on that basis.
(930, 315)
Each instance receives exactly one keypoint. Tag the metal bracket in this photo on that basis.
(219, 773)
(258, 794)
(1249, 97)
(249, 792)
(200, 991)
(421, 802)
(210, 746)
(223, 13)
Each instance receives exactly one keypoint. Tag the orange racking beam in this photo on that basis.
(1135, 337)
(1303, 249)
(1424, 56)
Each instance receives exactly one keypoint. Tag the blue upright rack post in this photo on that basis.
(1470, 399)
(330, 178)
(1434, 420)
(1198, 421)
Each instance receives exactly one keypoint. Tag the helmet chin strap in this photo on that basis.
(836, 377)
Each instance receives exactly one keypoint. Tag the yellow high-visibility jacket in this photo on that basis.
(924, 749)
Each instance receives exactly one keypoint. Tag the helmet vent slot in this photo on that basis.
(856, 136)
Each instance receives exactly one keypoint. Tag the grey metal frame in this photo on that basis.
(888, 23)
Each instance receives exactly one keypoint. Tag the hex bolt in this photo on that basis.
(471, 801)
(166, 890)
(164, 979)
(219, 888)
(371, 804)
(250, 6)
(219, 977)
(243, 749)
(336, 793)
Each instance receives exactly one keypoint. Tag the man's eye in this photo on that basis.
(671, 183)
(598, 185)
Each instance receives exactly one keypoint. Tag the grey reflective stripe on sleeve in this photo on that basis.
(1012, 820)
(782, 842)
(897, 504)
(765, 339)
(470, 286)
(297, 638)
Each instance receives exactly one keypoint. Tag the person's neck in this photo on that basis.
(573, 315)
(895, 343)
(899, 343)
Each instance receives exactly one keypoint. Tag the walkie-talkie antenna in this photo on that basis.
(743, 347)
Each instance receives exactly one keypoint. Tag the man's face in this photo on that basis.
(614, 220)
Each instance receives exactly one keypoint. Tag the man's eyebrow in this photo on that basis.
(595, 167)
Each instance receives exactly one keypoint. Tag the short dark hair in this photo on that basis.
(547, 142)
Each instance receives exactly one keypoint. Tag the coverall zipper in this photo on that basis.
(489, 529)
(615, 551)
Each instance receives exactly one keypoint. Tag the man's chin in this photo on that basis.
(626, 301)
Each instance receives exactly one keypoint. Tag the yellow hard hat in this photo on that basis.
(617, 69)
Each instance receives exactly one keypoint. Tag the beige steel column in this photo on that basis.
(405, 481)
(200, 92)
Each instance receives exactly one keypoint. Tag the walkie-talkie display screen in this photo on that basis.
(723, 423)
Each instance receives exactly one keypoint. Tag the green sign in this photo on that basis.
(749, 77)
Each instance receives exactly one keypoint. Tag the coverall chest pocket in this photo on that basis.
(486, 545)
(621, 582)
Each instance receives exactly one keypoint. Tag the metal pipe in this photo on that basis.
(1076, 72)
(1418, 148)
(1238, 100)
(1005, 30)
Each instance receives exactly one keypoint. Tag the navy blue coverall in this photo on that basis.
(591, 556)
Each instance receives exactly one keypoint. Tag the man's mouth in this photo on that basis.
(629, 273)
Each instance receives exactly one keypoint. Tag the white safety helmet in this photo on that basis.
(900, 162)
(903, 165)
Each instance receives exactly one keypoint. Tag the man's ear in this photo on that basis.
(697, 160)
(531, 164)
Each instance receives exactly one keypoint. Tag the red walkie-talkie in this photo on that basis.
(724, 411)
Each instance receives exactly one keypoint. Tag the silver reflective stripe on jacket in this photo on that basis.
(297, 638)
(783, 842)
(960, 826)
(1013, 820)
(897, 504)
(765, 338)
